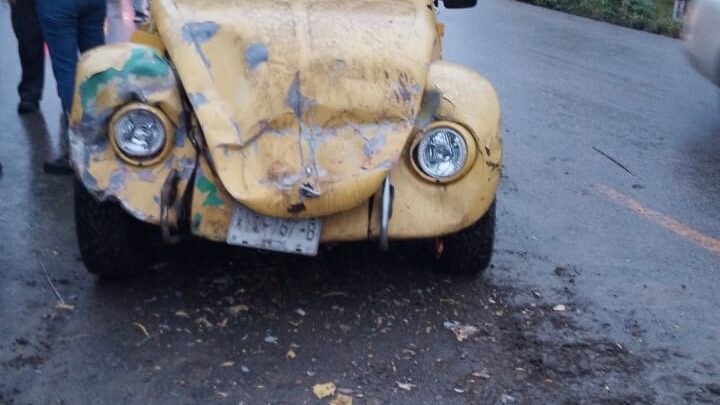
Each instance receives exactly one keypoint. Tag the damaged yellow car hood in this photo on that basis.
(304, 104)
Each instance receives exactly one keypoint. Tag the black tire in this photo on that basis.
(468, 252)
(112, 244)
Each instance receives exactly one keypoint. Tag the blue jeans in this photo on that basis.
(141, 7)
(70, 26)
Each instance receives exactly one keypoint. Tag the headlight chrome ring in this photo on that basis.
(443, 152)
(141, 134)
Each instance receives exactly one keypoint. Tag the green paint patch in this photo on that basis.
(197, 219)
(146, 63)
(206, 187)
(141, 63)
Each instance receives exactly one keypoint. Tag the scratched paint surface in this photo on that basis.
(467, 98)
(211, 205)
(305, 94)
(295, 124)
(108, 78)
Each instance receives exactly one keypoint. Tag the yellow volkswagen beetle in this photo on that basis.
(284, 125)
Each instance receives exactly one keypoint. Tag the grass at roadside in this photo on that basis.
(648, 15)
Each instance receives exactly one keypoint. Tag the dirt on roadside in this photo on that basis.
(267, 328)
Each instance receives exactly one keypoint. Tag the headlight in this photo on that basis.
(441, 153)
(140, 133)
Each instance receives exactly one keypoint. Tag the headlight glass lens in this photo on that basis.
(139, 134)
(442, 153)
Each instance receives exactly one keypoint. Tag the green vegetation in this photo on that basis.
(649, 15)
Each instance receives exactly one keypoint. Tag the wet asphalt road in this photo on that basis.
(630, 254)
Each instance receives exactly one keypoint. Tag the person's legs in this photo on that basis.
(141, 10)
(32, 54)
(90, 27)
(59, 21)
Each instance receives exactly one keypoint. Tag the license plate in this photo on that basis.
(250, 229)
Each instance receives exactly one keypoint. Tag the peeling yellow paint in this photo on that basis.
(421, 209)
(301, 109)
(149, 39)
(210, 221)
(332, 76)
(107, 79)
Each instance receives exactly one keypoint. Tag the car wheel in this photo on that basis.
(468, 252)
(112, 243)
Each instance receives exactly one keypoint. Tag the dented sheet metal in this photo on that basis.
(422, 209)
(212, 206)
(108, 78)
(305, 104)
(300, 109)
(467, 98)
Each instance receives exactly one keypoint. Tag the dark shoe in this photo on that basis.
(59, 165)
(140, 17)
(28, 107)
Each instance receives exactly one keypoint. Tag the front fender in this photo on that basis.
(423, 209)
(469, 99)
(109, 77)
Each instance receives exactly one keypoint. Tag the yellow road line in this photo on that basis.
(674, 226)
